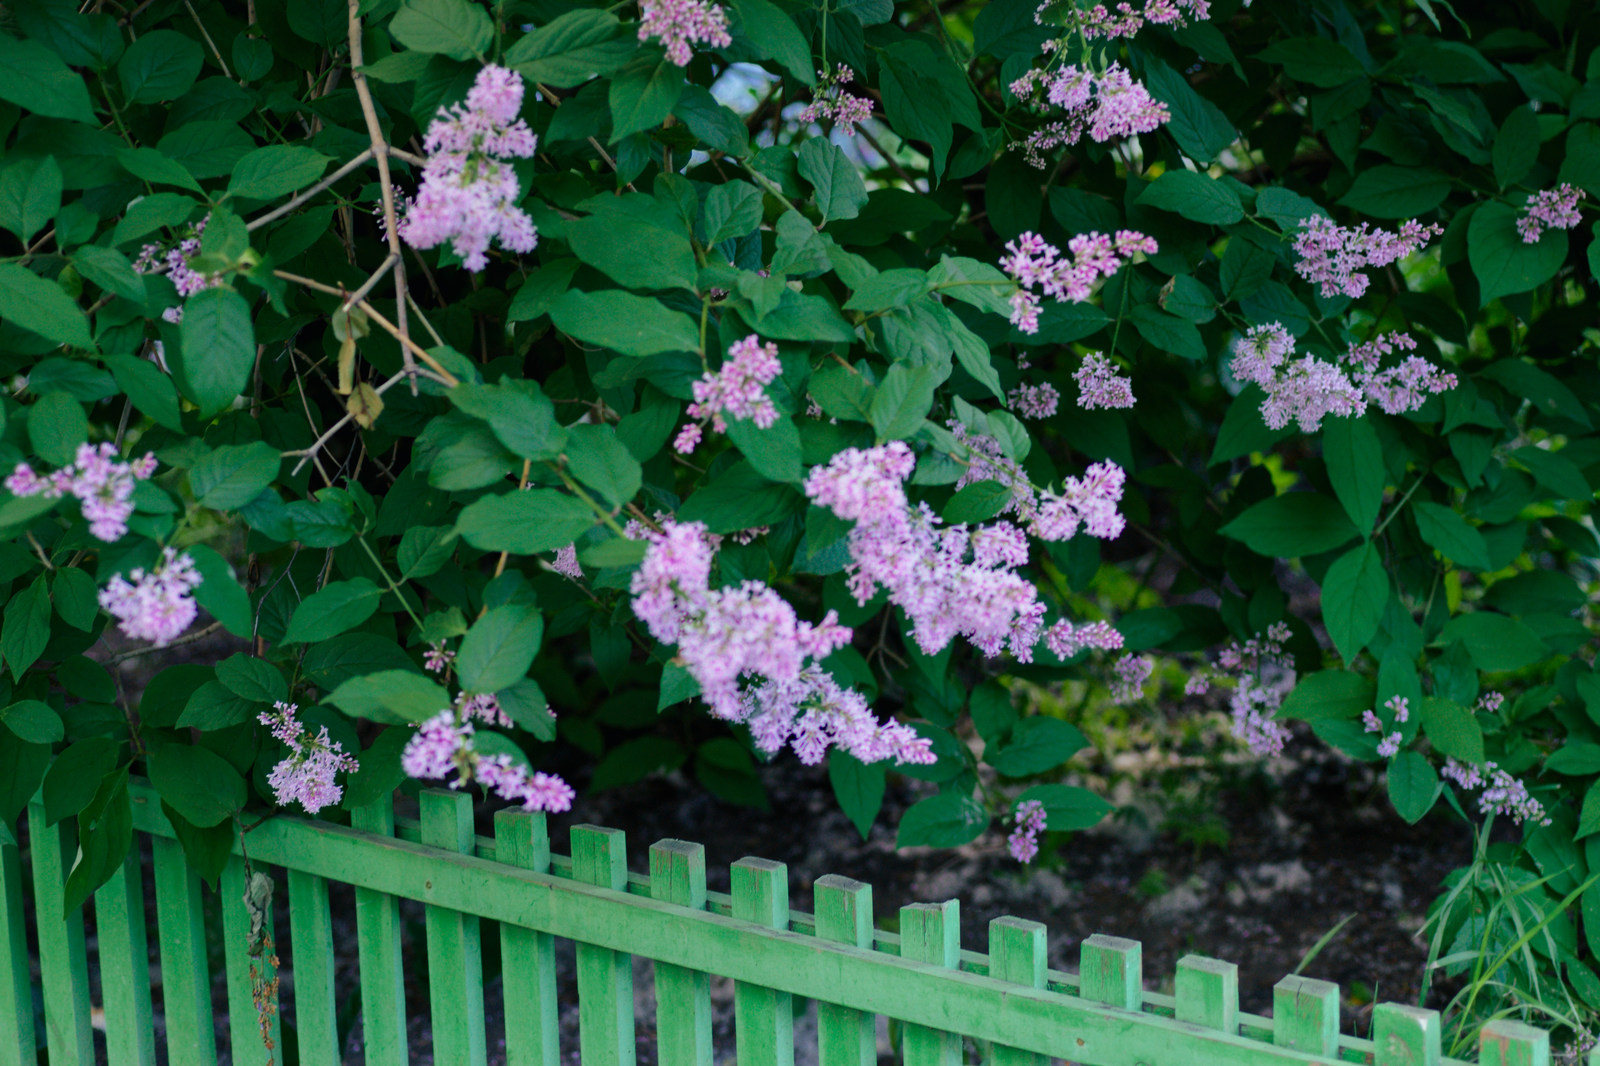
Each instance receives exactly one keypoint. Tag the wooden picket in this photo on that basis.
(1006, 1005)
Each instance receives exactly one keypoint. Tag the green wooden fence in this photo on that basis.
(1015, 1010)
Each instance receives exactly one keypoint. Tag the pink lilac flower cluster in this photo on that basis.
(1099, 384)
(754, 660)
(1130, 675)
(1555, 208)
(1029, 819)
(831, 101)
(950, 580)
(1033, 261)
(1262, 674)
(1333, 256)
(1034, 401)
(469, 191)
(306, 775)
(443, 745)
(102, 485)
(1308, 389)
(1089, 502)
(738, 390)
(566, 562)
(1399, 712)
(155, 605)
(1106, 105)
(1126, 20)
(484, 706)
(679, 24)
(1066, 640)
(437, 658)
(174, 263)
(1502, 793)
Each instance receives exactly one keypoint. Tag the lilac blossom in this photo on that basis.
(1089, 502)
(754, 660)
(679, 24)
(1034, 401)
(1308, 389)
(174, 263)
(443, 746)
(1261, 674)
(1107, 105)
(306, 775)
(102, 485)
(469, 191)
(1031, 262)
(1029, 820)
(1126, 20)
(831, 101)
(1132, 673)
(1099, 384)
(1555, 208)
(566, 563)
(155, 605)
(1502, 793)
(437, 658)
(738, 390)
(1333, 256)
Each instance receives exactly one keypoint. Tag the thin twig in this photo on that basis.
(201, 26)
(279, 212)
(308, 453)
(380, 149)
(366, 286)
(425, 323)
(191, 638)
(446, 378)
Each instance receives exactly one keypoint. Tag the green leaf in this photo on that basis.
(840, 192)
(339, 606)
(37, 305)
(902, 402)
(1444, 529)
(424, 550)
(977, 502)
(324, 22)
(740, 498)
(1328, 694)
(105, 833)
(26, 629)
(199, 784)
(391, 696)
(1354, 595)
(160, 65)
(637, 256)
(731, 209)
(77, 599)
(56, 426)
(231, 476)
(598, 459)
(218, 349)
(1169, 333)
(380, 772)
(532, 520)
(1314, 60)
(715, 126)
(924, 93)
(1452, 730)
(22, 768)
(1067, 807)
(618, 551)
(252, 679)
(150, 165)
(1397, 192)
(110, 270)
(571, 49)
(75, 776)
(520, 414)
(33, 721)
(30, 196)
(643, 93)
(774, 452)
(454, 28)
(1292, 525)
(220, 593)
(859, 788)
(772, 34)
(215, 706)
(1037, 744)
(274, 171)
(1413, 786)
(1354, 458)
(524, 703)
(1194, 196)
(1555, 472)
(1198, 125)
(1503, 262)
(625, 323)
(1516, 146)
(1496, 642)
(947, 820)
(37, 79)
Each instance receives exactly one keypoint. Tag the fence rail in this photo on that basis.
(1007, 998)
